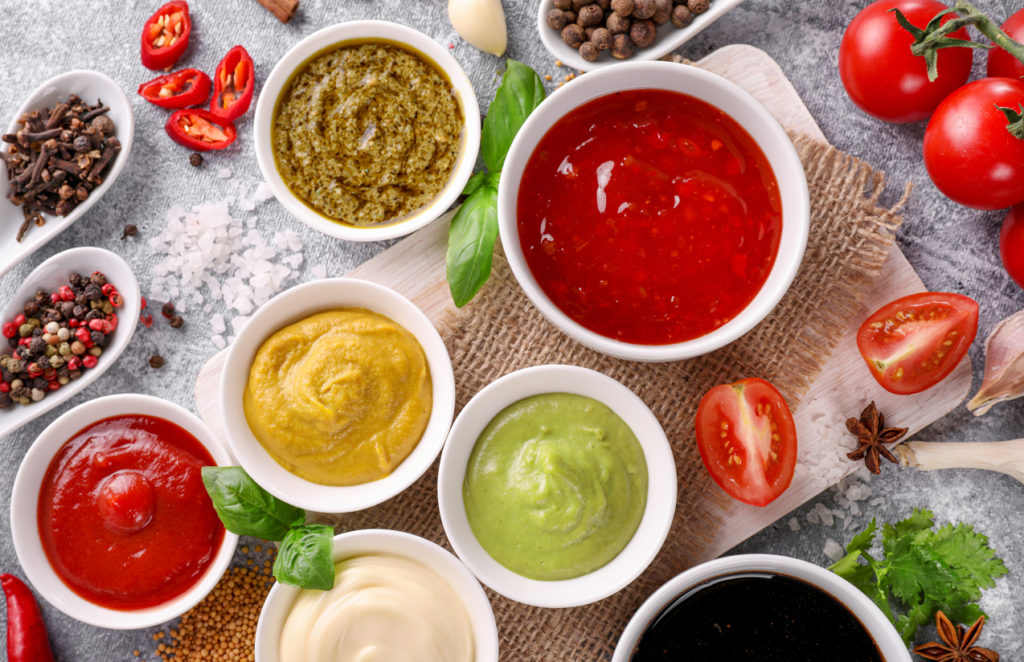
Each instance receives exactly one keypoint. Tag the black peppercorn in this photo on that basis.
(67, 309)
(196, 159)
(31, 309)
(80, 311)
(40, 383)
(93, 292)
(51, 315)
(5, 400)
(177, 322)
(98, 279)
(76, 280)
(41, 297)
(156, 361)
(94, 314)
(37, 345)
(167, 310)
(13, 342)
(98, 338)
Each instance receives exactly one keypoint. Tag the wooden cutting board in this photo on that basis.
(415, 268)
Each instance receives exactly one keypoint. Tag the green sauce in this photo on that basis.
(556, 486)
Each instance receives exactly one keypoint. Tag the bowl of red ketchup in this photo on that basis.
(653, 211)
(109, 516)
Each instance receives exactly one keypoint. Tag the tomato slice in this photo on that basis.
(747, 439)
(912, 343)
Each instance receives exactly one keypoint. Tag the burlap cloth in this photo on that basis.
(500, 331)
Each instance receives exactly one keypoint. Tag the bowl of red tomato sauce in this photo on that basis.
(109, 516)
(653, 211)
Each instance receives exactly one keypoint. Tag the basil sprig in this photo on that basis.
(306, 556)
(475, 225)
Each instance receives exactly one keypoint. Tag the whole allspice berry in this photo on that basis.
(156, 361)
(617, 24)
(622, 7)
(643, 33)
(129, 231)
(622, 46)
(177, 322)
(556, 19)
(644, 9)
(573, 35)
(590, 16)
(698, 6)
(602, 38)
(662, 12)
(196, 159)
(588, 51)
(563, 4)
(681, 16)
(579, 4)
(603, 4)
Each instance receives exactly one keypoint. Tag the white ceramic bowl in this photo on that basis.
(661, 485)
(716, 91)
(25, 497)
(301, 302)
(357, 31)
(669, 37)
(884, 634)
(90, 86)
(50, 275)
(381, 541)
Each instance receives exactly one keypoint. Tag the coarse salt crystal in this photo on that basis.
(319, 271)
(794, 524)
(262, 193)
(223, 173)
(217, 323)
(218, 341)
(833, 550)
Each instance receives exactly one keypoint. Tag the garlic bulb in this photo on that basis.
(481, 23)
(1004, 365)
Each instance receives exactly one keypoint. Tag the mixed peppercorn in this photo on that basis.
(57, 336)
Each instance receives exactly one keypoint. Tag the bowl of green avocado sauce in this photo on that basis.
(557, 486)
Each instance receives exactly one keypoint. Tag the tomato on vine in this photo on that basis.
(881, 74)
(1011, 244)
(1000, 61)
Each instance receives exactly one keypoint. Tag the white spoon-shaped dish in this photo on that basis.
(669, 37)
(49, 276)
(91, 86)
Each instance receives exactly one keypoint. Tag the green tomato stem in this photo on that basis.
(969, 16)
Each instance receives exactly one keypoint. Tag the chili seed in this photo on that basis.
(156, 361)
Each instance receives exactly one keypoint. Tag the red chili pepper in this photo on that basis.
(165, 35)
(181, 89)
(200, 130)
(233, 83)
(26, 632)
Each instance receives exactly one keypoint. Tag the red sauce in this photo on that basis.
(649, 216)
(123, 515)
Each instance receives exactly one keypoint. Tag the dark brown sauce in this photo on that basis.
(756, 616)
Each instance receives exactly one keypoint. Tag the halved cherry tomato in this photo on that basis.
(747, 439)
(165, 35)
(1011, 243)
(199, 130)
(181, 89)
(912, 343)
(233, 85)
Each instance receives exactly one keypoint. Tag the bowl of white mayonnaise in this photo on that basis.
(396, 597)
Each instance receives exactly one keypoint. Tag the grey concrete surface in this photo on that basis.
(953, 248)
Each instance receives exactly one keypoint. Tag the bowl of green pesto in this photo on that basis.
(367, 130)
(557, 486)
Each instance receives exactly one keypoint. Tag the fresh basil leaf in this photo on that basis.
(306, 557)
(471, 244)
(520, 92)
(246, 508)
(475, 182)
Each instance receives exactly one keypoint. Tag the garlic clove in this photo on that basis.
(1004, 365)
(481, 23)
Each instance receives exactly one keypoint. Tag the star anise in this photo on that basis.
(871, 435)
(957, 643)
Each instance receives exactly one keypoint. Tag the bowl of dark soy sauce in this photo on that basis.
(759, 607)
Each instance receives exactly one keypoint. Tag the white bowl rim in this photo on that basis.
(124, 129)
(121, 275)
(662, 75)
(669, 38)
(399, 543)
(864, 610)
(323, 295)
(367, 30)
(25, 496)
(661, 485)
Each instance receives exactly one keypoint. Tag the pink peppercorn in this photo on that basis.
(147, 320)
(53, 385)
(116, 300)
(108, 289)
(144, 302)
(112, 318)
(5, 387)
(89, 361)
(74, 363)
(82, 333)
(33, 369)
(73, 324)
(19, 319)
(10, 330)
(66, 293)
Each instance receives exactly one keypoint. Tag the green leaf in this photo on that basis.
(246, 508)
(306, 557)
(476, 181)
(1015, 120)
(471, 244)
(520, 92)
(969, 556)
(862, 541)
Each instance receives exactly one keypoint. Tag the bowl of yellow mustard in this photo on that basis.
(367, 130)
(557, 486)
(337, 395)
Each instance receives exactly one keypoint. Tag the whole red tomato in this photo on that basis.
(1001, 63)
(968, 151)
(1011, 244)
(880, 73)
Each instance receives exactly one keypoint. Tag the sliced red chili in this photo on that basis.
(199, 129)
(26, 632)
(181, 89)
(165, 35)
(233, 83)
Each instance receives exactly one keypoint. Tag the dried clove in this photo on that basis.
(1004, 365)
(53, 164)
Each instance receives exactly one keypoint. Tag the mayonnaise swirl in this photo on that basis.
(382, 609)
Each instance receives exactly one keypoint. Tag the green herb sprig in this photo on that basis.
(475, 225)
(924, 570)
(306, 556)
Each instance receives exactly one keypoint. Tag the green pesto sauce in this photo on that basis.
(367, 133)
(556, 486)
